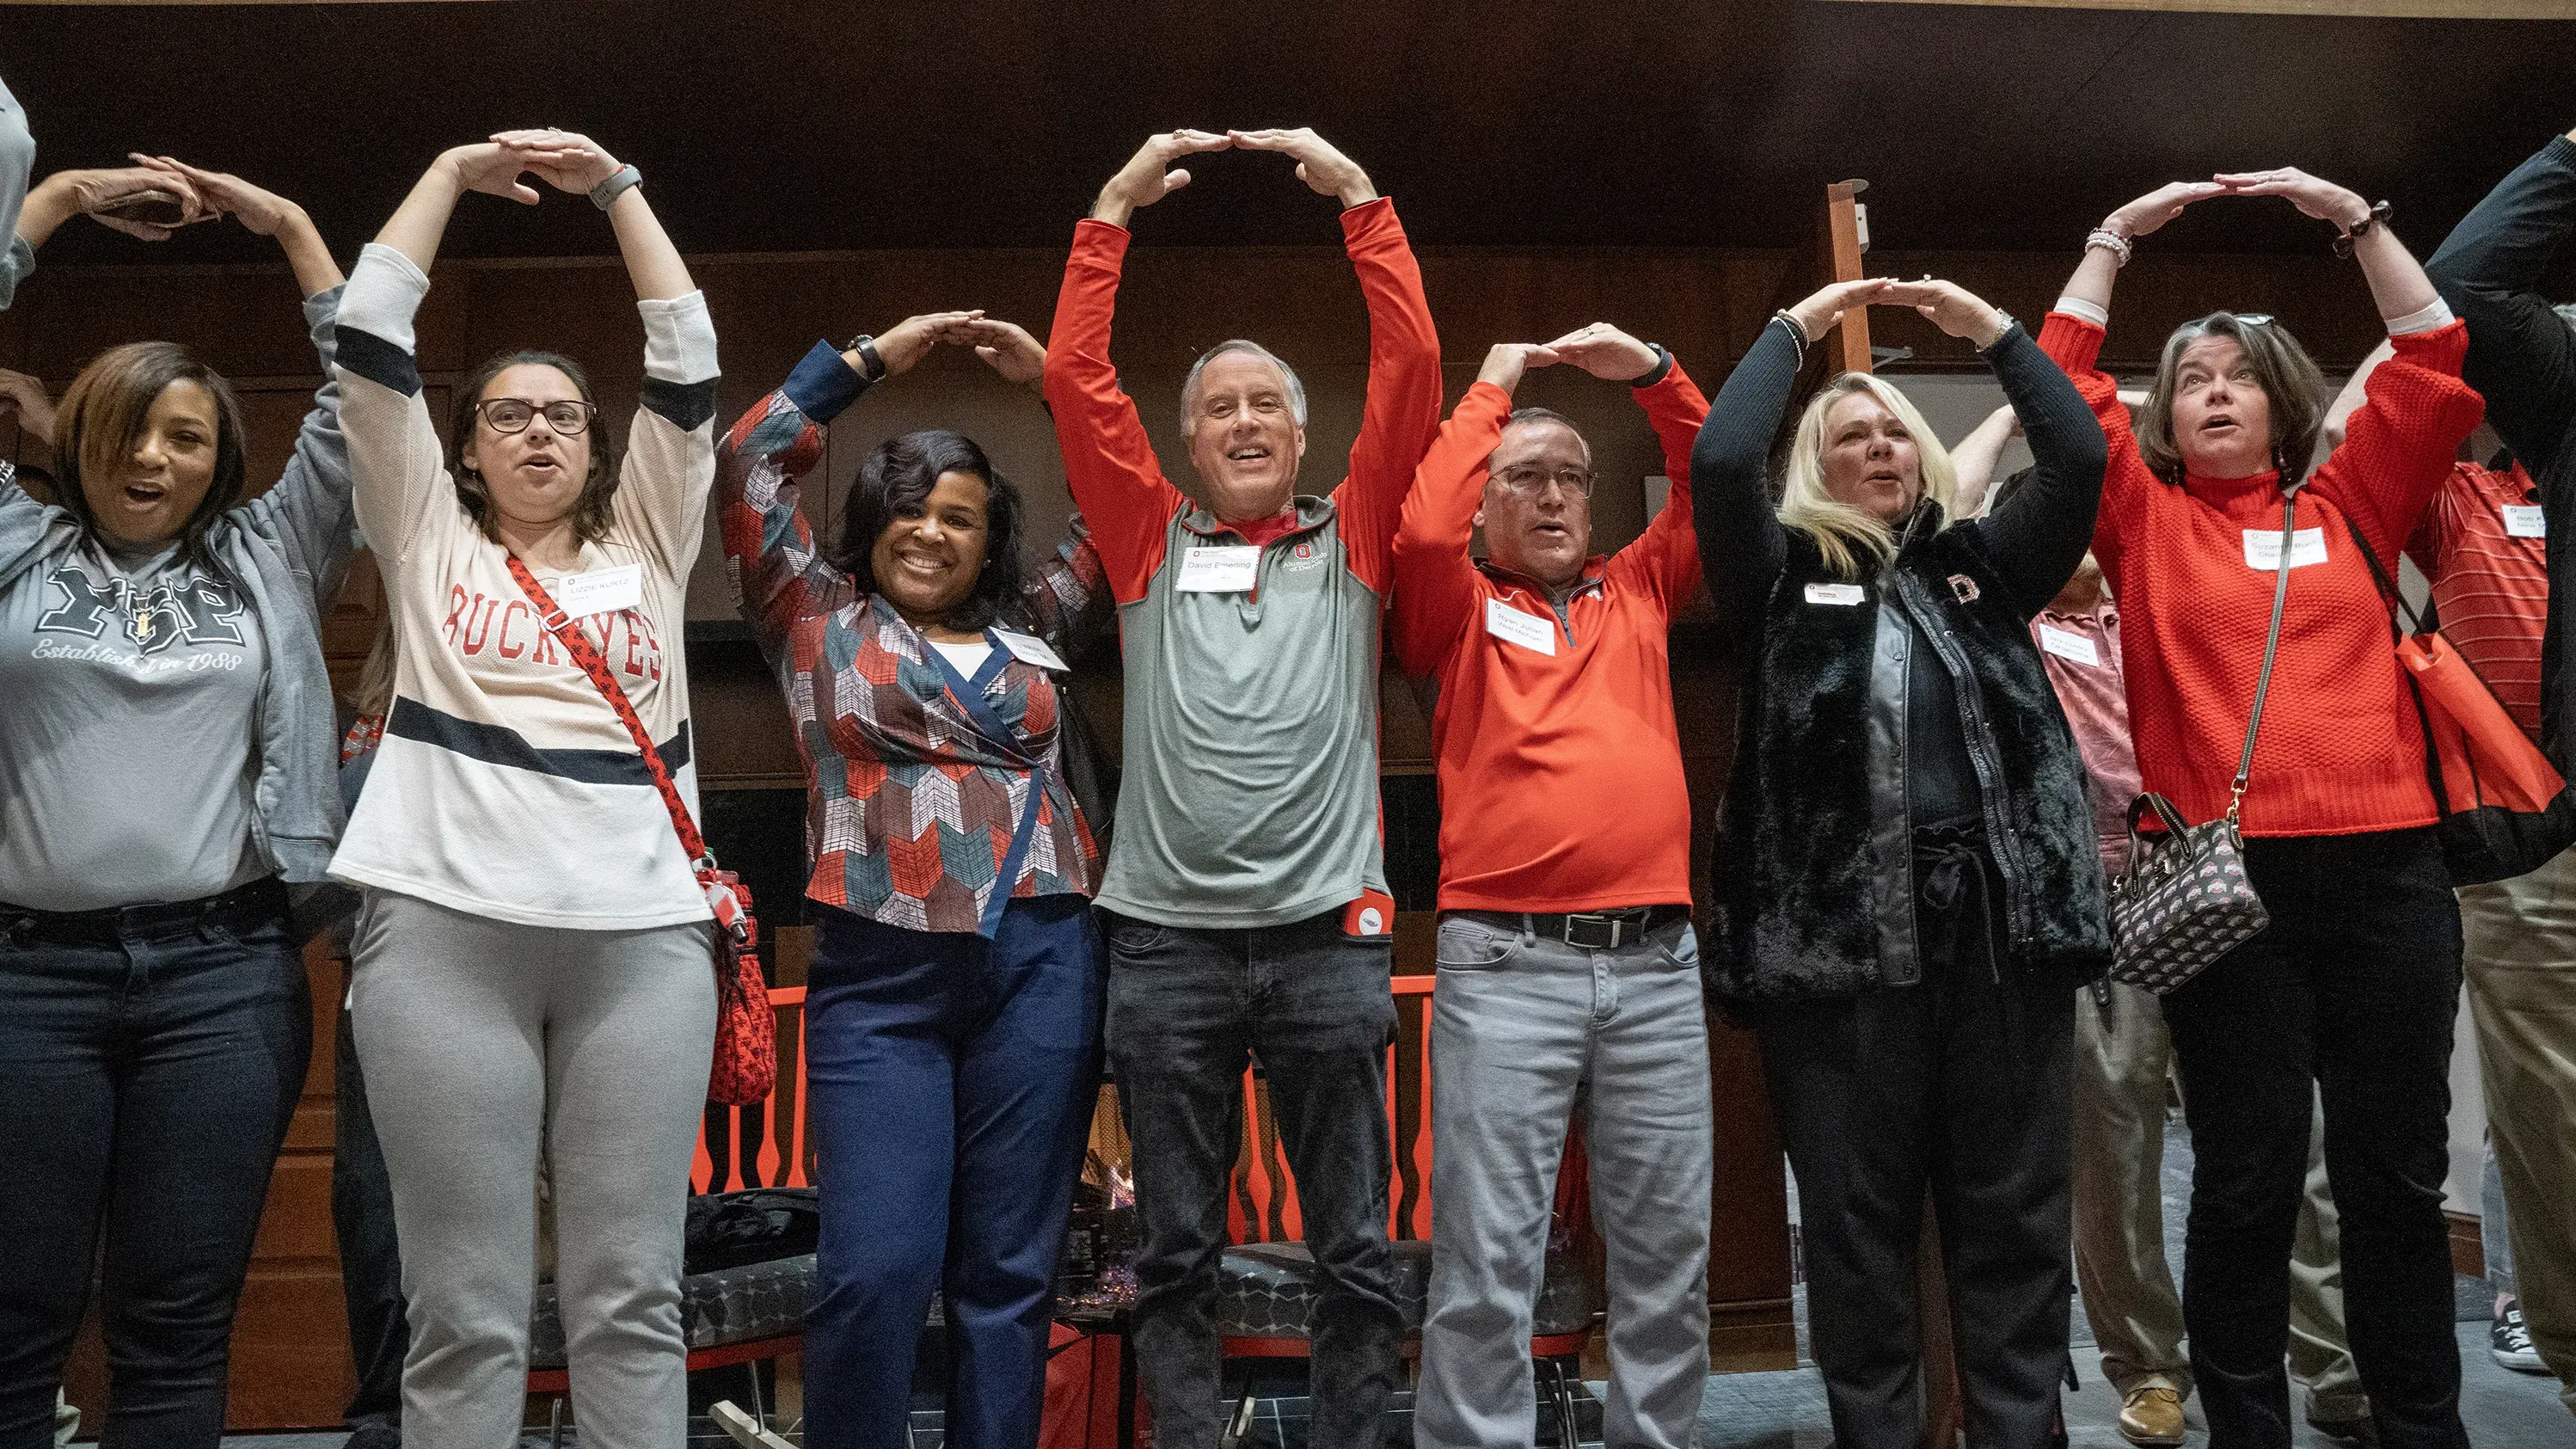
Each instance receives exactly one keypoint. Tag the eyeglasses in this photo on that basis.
(1533, 481)
(513, 414)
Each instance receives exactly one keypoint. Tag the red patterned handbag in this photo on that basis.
(746, 1059)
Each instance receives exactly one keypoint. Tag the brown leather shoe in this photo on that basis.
(2152, 1415)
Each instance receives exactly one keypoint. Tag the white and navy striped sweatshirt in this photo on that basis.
(505, 785)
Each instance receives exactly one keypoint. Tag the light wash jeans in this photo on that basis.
(1527, 1035)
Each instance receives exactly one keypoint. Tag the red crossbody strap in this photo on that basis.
(584, 654)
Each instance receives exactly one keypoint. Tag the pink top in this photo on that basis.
(2082, 652)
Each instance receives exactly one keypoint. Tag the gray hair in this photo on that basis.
(1551, 415)
(2566, 313)
(1190, 384)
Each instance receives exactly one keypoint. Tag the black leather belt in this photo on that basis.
(257, 901)
(1593, 930)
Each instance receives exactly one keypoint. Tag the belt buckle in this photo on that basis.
(1574, 921)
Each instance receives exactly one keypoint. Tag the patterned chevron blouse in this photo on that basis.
(910, 811)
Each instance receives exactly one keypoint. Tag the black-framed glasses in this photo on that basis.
(567, 416)
(1533, 480)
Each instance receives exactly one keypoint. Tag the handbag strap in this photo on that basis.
(588, 657)
(2398, 608)
(968, 694)
(2271, 648)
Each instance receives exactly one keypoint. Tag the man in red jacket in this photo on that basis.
(1569, 980)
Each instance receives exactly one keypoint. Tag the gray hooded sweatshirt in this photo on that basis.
(285, 553)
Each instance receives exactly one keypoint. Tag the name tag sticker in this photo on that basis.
(1220, 569)
(600, 591)
(1514, 627)
(2522, 520)
(1834, 594)
(2067, 644)
(2263, 548)
(1030, 649)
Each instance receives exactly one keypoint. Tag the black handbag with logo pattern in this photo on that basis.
(2184, 900)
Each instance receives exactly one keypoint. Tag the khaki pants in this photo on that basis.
(2129, 1296)
(2521, 975)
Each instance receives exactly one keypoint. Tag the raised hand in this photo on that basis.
(493, 168)
(1006, 347)
(1506, 362)
(1817, 314)
(95, 193)
(2157, 207)
(24, 397)
(567, 160)
(908, 341)
(1149, 175)
(1323, 168)
(2313, 195)
(1605, 352)
(260, 212)
(1952, 308)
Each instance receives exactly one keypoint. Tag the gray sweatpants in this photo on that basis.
(1526, 1034)
(486, 1043)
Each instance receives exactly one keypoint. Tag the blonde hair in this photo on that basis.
(1853, 542)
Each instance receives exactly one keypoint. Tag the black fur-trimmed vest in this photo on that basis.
(1815, 875)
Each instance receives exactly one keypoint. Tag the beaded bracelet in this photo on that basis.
(2111, 241)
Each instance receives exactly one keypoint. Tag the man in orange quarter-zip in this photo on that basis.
(1568, 973)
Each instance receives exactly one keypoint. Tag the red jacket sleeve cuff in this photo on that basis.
(1366, 221)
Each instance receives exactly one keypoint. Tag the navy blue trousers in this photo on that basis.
(952, 1082)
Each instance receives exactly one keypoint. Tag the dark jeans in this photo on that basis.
(1188, 1011)
(953, 1082)
(2353, 986)
(150, 1075)
(1962, 1084)
(362, 1218)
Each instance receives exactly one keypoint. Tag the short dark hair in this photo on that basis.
(2282, 368)
(896, 482)
(2011, 485)
(102, 418)
(598, 487)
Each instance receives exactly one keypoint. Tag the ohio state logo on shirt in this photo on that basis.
(478, 623)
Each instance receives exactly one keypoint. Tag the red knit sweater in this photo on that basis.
(2340, 751)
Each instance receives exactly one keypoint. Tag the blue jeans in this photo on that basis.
(952, 1081)
(1188, 1011)
(151, 1072)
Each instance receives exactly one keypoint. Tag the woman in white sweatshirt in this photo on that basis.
(533, 969)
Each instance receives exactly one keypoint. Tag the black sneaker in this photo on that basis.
(2510, 1343)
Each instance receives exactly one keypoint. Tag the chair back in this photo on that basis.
(1261, 1201)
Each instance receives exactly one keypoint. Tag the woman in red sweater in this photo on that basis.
(2354, 983)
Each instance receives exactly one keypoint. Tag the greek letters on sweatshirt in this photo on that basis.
(505, 785)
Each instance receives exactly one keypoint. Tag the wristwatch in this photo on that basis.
(871, 366)
(605, 194)
(1662, 369)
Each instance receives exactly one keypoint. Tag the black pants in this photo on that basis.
(362, 1218)
(150, 1073)
(1961, 1084)
(1188, 1010)
(2353, 986)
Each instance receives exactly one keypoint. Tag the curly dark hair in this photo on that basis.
(896, 482)
(590, 510)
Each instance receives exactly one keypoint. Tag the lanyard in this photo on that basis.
(968, 695)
